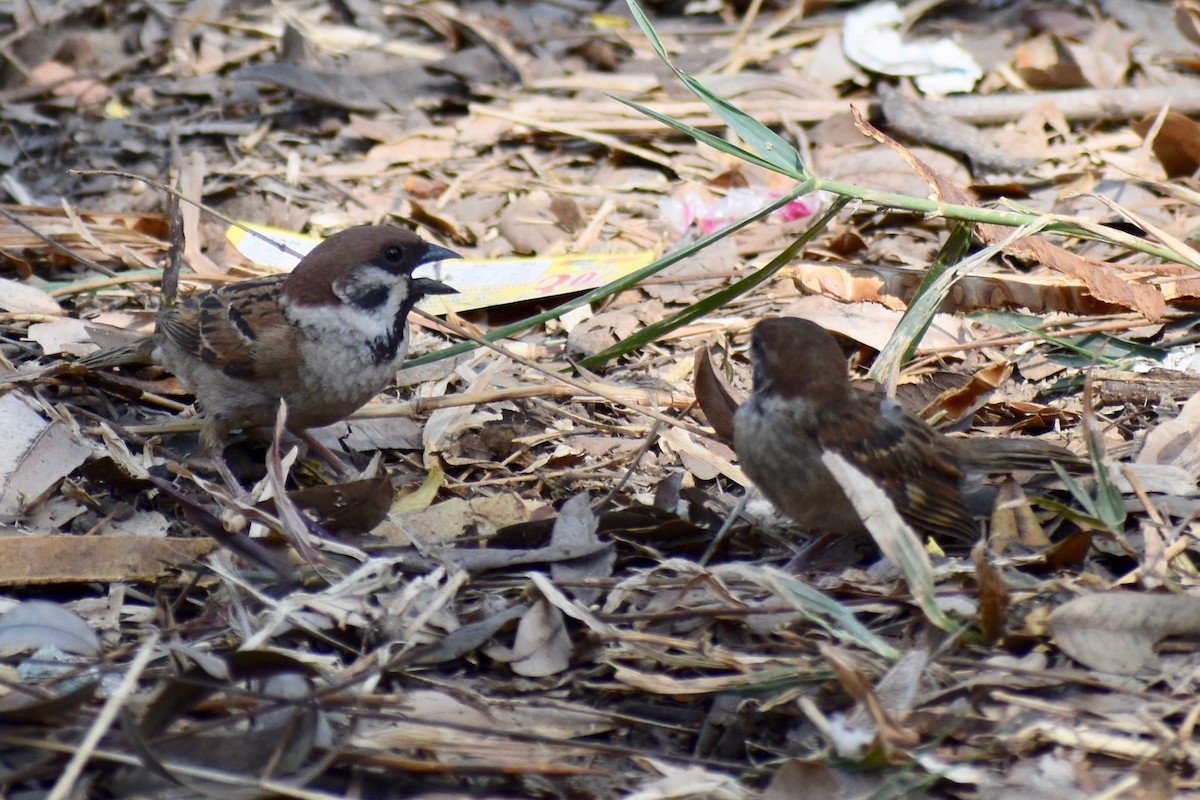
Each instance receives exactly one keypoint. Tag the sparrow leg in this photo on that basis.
(831, 550)
(213, 434)
(214, 430)
(341, 472)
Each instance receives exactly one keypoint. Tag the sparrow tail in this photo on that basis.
(1019, 455)
(138, 352)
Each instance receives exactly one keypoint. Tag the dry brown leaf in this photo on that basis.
(1116, 631)
(35, 454)
(1176, 142)
(894, 286)
(993, 595)
(67, 336)
(1104, 284)
(1013, 520)
(457, 516)
(531, 226)
(1176, 441)
(954, 405)
(36, 624)
(576, 526)
(604, 329)
(704, 458)
(543, 644)
(1104, 58)
(351, 508)
(1187, 18)
(713, 395)
(872, 324)
(21, 298)
(871, 711)
(1047, 63)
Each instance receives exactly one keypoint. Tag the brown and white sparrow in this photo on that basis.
(326, 337)
(803, 405)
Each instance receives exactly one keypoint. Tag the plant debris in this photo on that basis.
(548, 576)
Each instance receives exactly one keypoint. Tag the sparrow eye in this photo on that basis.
(393, 253)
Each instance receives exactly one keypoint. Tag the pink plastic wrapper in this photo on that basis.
(710, 215)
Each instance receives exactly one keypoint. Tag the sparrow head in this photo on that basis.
(368, 268)
(798, 358)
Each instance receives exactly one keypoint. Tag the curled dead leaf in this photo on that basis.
(1116, 631)
(713, 395)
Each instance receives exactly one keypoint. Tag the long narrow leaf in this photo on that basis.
(702, 136)
(1109, 504)
(913, 324)
(896, 539)
(772, 147)
(718, 299)
(922, 307)
(1078, 492)
(822, 609)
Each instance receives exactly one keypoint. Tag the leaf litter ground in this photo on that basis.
(541, 588)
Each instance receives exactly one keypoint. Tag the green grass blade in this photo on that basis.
(653, 331)
(1109, 505)
(921, 308)
(702, 136)
(897, 540)
(772, 147)
(1078, 492)
(1080, 518)
(825, 611)
(913, 325)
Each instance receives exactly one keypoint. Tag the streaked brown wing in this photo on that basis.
(225, 326)
(911, 463)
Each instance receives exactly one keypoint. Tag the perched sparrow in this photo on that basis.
(803, 404)
(325, 337)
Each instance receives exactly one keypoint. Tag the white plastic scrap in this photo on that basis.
(871, 39)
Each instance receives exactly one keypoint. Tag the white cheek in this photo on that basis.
(344, 322)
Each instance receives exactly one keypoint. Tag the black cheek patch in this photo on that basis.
(364, 288)
(368, 297)
(383, 349)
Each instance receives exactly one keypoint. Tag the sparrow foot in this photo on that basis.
(342, 473)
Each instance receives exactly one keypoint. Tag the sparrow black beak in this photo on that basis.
(428, 286)
(434, 253)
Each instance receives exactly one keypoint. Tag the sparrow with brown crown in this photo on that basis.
(325, 338)
(804, 405)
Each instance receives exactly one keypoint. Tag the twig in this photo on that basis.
(104, 720)
(606, 392)
(162, 187)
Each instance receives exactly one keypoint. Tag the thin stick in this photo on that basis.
(162, 187)
(591, 388)
(104, 720)
(54, 244)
